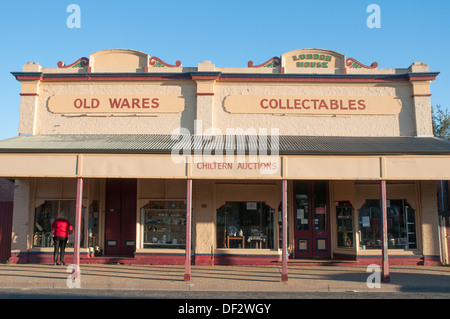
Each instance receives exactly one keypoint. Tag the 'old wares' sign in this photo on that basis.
(309, 104)
(117, 103)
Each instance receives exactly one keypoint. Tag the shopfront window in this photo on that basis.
(344, 218)
(244, 225)
(401, 224)
(46, 213)
(93, 225)
(164, 224)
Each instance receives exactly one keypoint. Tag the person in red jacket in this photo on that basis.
(60, 229)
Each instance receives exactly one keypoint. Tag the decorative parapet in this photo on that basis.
(80, 63)
(352, 63)
(271, 63)
(158, 63)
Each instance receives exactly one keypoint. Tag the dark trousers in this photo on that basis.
(60, 246)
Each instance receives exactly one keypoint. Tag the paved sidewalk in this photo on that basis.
(226, 278)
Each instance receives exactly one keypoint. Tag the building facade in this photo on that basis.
(312, 134)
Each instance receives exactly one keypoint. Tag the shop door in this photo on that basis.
(6, 218)
(120, 217)
(311, 215)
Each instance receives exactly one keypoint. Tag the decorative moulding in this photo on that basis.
(156, 62)
(80, 63)
(271, 63)
(352, 63)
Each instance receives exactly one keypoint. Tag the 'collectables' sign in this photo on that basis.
(306, 104)
(117, 103)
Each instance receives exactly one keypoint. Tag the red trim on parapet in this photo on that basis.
(83, 62)
(87, 77)
(61, 77)
(28, 94)
(312, 79)
(422, 78)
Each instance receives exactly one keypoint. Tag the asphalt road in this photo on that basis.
(27, 293)
(214, 304)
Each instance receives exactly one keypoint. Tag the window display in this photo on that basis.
(401, 224)
(46, 213)
(302, 206)
(93, 224)
(245, 225)
(344, 218)
(164, 224)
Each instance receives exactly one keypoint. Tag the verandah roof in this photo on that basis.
(291, 157)
(285, 145)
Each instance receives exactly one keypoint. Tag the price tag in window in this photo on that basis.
(366, 221)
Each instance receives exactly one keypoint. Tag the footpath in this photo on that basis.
(226, 278)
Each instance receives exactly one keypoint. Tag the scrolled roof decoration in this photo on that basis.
(352, 63)
(271, 63)
(158, 63)
(80, 63)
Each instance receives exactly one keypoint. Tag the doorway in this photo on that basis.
(120, 217)
(312, 221)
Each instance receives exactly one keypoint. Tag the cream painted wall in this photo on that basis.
(210, 110)
(21, 216)
(204, 217)
(429, 218)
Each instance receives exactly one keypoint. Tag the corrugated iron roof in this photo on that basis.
(164, 144)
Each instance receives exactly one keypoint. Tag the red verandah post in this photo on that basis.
(187, 272)
(78, 207)
(385, 267)
(284, 276)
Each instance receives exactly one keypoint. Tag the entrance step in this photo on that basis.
(125, 260)
(319, 261)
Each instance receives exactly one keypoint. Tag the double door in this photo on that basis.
(120, 217)
(311, 216)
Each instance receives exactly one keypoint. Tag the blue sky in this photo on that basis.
(227, 32)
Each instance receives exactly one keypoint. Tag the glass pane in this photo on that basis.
(320, 206)
(93, 224)
(47, 213)
(301, 204)
(164, 224)
(401, 225)
(369, 219)
(43, 219)
(344, 218)
(245, 225)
